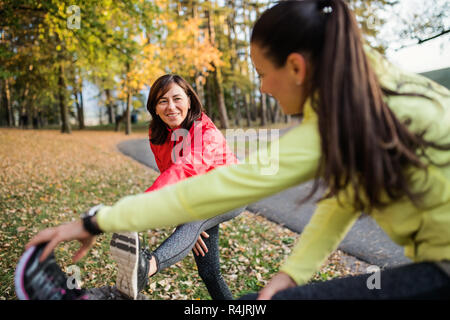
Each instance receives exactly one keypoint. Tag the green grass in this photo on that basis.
(45, 186)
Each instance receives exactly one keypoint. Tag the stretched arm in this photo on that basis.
(211, 194)
(221, 189)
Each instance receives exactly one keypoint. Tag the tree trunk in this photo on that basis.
(253, 107)
(220, 99)
(287, 118)
(33, 112)
(65, 125)
(78, 107)
(199, 88)
(263, 110)
(23, 122)
(7, 102)
(270, 113)
(129, 99)
(237, 106)
(277, 112)
(80, 112)
(109, 106)
(231, 21)
(116, 118)
(77, 91)
(247, 109)
(251, 72)
(128, 113)
(100, 116)
(209, 98)
(40, 119)
(119, 120)
(217, 77)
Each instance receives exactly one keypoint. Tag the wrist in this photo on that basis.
(89, 221)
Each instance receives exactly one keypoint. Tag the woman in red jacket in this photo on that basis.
(185, 143)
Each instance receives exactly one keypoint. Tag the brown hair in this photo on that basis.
(158, 127)
(363, 143)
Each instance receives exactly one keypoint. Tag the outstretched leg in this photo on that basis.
(412, 281)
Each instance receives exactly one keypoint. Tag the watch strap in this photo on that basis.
(88, 225)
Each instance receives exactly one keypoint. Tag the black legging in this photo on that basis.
(181, 242)
(412, 281)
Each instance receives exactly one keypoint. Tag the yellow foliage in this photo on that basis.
(186, 50)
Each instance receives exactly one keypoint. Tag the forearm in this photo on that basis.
(328, 226)
(220, 190)
(143, 211)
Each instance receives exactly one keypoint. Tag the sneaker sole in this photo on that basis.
(20, 273)
(124, 248)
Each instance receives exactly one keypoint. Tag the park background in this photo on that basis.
(74, 79)
(72, 64)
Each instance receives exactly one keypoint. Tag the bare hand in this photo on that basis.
(65, 232)
(279, 282)
(200, 246)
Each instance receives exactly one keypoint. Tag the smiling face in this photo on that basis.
(286, 83)
(173, 106)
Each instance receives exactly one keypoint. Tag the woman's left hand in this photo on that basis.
(280, 281)
(200, 247)
(65, 232)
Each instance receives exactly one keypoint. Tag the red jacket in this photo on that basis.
(202, 150)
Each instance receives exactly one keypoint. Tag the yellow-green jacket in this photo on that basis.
(423, 232)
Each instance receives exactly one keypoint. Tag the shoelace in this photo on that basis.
(147, 254)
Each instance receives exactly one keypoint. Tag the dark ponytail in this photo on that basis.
(363, 143)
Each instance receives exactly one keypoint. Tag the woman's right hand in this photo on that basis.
(200, 246)
(65, 232)
(279, 282)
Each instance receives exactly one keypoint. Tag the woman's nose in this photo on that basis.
(171, 104)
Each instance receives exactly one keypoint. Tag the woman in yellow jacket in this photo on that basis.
(379, 138)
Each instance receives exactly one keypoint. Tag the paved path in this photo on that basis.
(365, 241)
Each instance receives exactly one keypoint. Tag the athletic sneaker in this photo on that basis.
(45, 280)
(132, 263)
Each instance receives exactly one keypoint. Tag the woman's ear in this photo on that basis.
(297, 65)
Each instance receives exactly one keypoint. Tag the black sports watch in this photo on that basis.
(88, 225)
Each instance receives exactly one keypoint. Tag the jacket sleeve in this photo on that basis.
(174, 174)
(328, 226)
